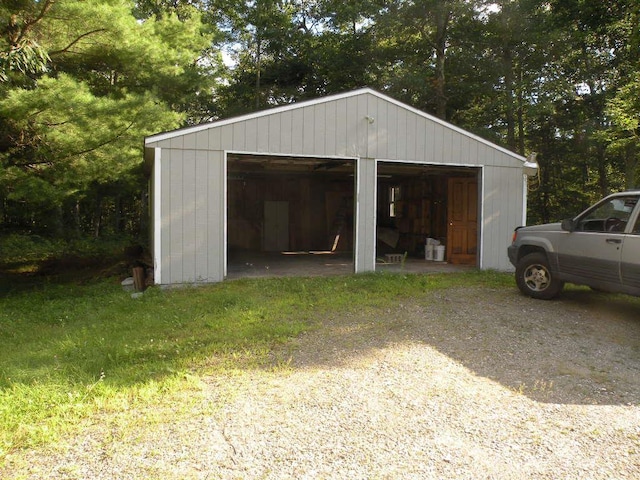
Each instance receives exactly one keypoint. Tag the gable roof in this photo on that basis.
(159, 137)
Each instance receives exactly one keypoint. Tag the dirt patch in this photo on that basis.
(461, 383)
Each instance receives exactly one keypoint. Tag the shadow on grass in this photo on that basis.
(583, 348)
(24, 276)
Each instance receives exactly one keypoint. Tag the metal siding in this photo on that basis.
(362, 126)
(286, 132)
(351, 128)
(156, 215)
(411, 143)
(177, 142)
(189, 141)
(215, 138)
(273, 133)
(456, 147)
(174, 219)
(191, 232)
(262, 135)
(226, 138)
(330, 128)
(438, 144)
(165, 227)
(372, 132)
(201, 216)
(189, 216)
(366, 216)
(341, 127)
(297, 131)
(373, 101)
(502, 211)
(319, 130)
(250, 136)
(429, 151)
(239, 136)
(192, 235)
(489, 220)
(392, 132)
(401, 146)
(421, 139)
(216, 213)
(308, 130)
(165, 208)
(202, 140)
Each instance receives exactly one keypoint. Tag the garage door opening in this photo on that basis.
(420, 205)
(289, 216)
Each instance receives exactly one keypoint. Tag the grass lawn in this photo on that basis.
(69, 352)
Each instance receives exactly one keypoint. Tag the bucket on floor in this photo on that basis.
(428, 252)
(438, 253)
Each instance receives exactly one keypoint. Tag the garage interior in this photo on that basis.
(295, 215)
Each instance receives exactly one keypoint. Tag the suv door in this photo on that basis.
(591, 254)
(630, 260)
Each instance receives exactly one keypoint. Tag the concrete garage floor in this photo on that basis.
(309, 264)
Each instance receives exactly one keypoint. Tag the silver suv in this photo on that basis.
(599, 248)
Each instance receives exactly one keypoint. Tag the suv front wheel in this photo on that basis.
(535, 279)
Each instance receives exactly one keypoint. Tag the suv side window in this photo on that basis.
(610, 216)
(636, 227)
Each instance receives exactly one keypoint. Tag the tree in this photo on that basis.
(71, 127)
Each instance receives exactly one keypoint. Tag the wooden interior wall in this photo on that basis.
(314, 201)
(421, 212)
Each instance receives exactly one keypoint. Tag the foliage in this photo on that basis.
(81, 83)
(94, 80)
(18, 249)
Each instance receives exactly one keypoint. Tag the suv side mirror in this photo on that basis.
(568, 224)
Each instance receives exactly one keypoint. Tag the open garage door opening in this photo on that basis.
(289, 215)
(427, 214)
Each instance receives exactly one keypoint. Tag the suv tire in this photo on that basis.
(535, 279)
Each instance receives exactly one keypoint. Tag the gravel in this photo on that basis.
(458, 384)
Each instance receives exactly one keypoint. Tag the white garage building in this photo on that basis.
(357, 174)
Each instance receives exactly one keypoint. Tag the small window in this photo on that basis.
(394, 197)
(636, 227)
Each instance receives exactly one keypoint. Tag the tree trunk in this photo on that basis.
(97, 219)
(521, 104)
(258, 67)
(443, 15)
(507, 58)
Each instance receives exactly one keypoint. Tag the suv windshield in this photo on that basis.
(609, 216)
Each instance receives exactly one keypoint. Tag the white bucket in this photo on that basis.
(428, 252)
(438, 253)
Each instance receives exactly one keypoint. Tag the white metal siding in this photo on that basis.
(191, 210)
(190, 219)
(501, 213)
(364, 126)
(365, 215)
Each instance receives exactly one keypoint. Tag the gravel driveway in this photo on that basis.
(476, 384)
